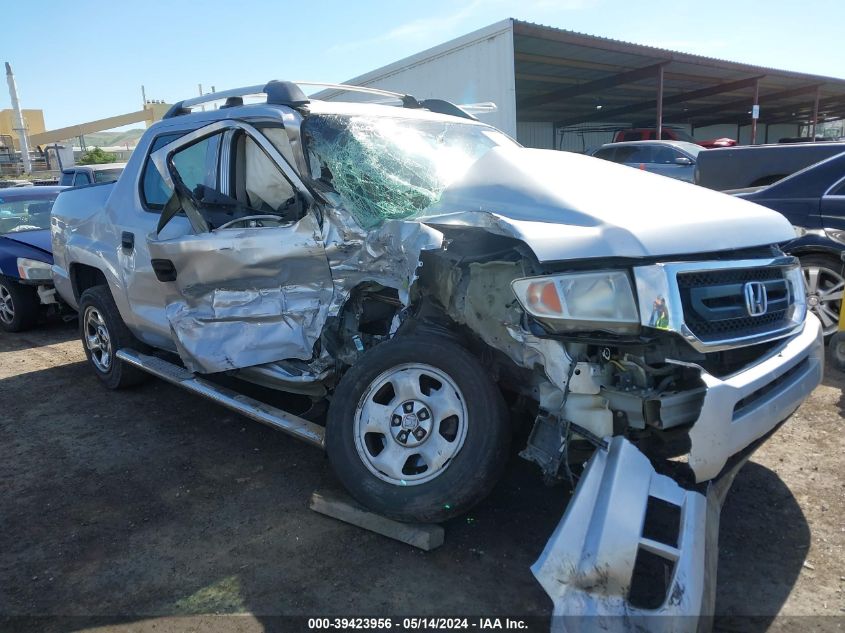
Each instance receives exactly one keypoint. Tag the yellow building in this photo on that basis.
(33, 119)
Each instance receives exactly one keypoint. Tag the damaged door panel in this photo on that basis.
(253, 284)
(244, 297)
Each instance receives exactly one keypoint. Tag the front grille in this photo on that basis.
(715, 308)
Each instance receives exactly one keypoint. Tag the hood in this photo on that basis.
(569, 206)
(38, 239)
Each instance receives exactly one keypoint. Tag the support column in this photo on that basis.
(659, 132)
(815, 114)
(753, 120)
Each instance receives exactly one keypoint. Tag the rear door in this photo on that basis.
(251, 282)
(832, 208)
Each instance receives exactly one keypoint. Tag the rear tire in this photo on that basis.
(19, 305)
(836, 351)
(417, 430)
(103, 332)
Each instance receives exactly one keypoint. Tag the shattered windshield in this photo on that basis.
(386, 168)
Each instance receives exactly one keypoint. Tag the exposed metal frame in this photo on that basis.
(682, 97)
(630, 76)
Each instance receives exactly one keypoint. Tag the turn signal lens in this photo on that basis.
(543, 297)
(583, 301)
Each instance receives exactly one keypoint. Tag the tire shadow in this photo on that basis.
(764, 539)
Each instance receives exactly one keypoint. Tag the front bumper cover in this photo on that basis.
(744, 407)
(624, 513)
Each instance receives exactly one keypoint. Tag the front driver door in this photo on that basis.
(251, 284)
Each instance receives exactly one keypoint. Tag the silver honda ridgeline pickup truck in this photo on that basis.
(435, 282)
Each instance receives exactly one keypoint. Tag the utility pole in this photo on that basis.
(21, 127)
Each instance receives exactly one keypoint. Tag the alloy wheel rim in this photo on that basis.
(410, 424)
(7, 306)
(97, 339)
(824, 295)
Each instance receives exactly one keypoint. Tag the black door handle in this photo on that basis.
(164, 269)
(127, 240)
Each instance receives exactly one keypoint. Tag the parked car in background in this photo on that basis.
(669, 134)
(813, 200)
(80, 175)
(17, 182)
(758, 165)
(675, 159)
(26, 256)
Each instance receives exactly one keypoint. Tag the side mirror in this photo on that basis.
(683, 160)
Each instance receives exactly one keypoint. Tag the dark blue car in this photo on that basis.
(25, 255)
(813, 200)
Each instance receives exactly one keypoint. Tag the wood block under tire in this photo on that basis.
(425, 536)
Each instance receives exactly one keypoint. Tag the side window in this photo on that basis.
(196, 164)
(259, 183)
(640, 154)
(154, 192)
(605, 154)
(665, 155)
(67, 179)
(81, 179)
(624, 154)
(838, 190)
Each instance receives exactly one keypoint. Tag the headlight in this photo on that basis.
(33, 269)
(798, 302)
(581, 301)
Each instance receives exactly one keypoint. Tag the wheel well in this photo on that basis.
(83, 277)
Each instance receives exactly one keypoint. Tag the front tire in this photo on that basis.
(417, 430)
(19, 306)
(103, 332)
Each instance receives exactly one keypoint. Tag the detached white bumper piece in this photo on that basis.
(630, 546)
(635, 550)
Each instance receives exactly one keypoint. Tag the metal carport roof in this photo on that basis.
(570, 78)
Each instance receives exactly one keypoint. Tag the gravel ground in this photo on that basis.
(150, 504)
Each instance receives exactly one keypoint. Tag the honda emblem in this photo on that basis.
(756, 299)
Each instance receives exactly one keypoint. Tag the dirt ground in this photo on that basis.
(149, 504)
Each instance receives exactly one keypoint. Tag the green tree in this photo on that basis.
(96, 156)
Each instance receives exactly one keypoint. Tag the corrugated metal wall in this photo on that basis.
(474, 68)
(539, 135)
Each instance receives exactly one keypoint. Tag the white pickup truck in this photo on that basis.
(428, 277)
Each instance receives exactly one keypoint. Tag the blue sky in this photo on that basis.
(86, 59)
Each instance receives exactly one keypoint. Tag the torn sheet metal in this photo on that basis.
(244, 297)
(592, 565)
(388, 255)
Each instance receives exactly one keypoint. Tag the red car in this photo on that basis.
(668, 134)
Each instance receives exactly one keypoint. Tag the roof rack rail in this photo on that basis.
(290, 94)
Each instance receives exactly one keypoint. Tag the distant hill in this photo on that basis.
(109, 139)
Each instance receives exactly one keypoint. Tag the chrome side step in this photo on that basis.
(282, 420)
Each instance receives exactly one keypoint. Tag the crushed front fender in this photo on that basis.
(633, 551)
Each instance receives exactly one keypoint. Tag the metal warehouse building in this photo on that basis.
(565, 90)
